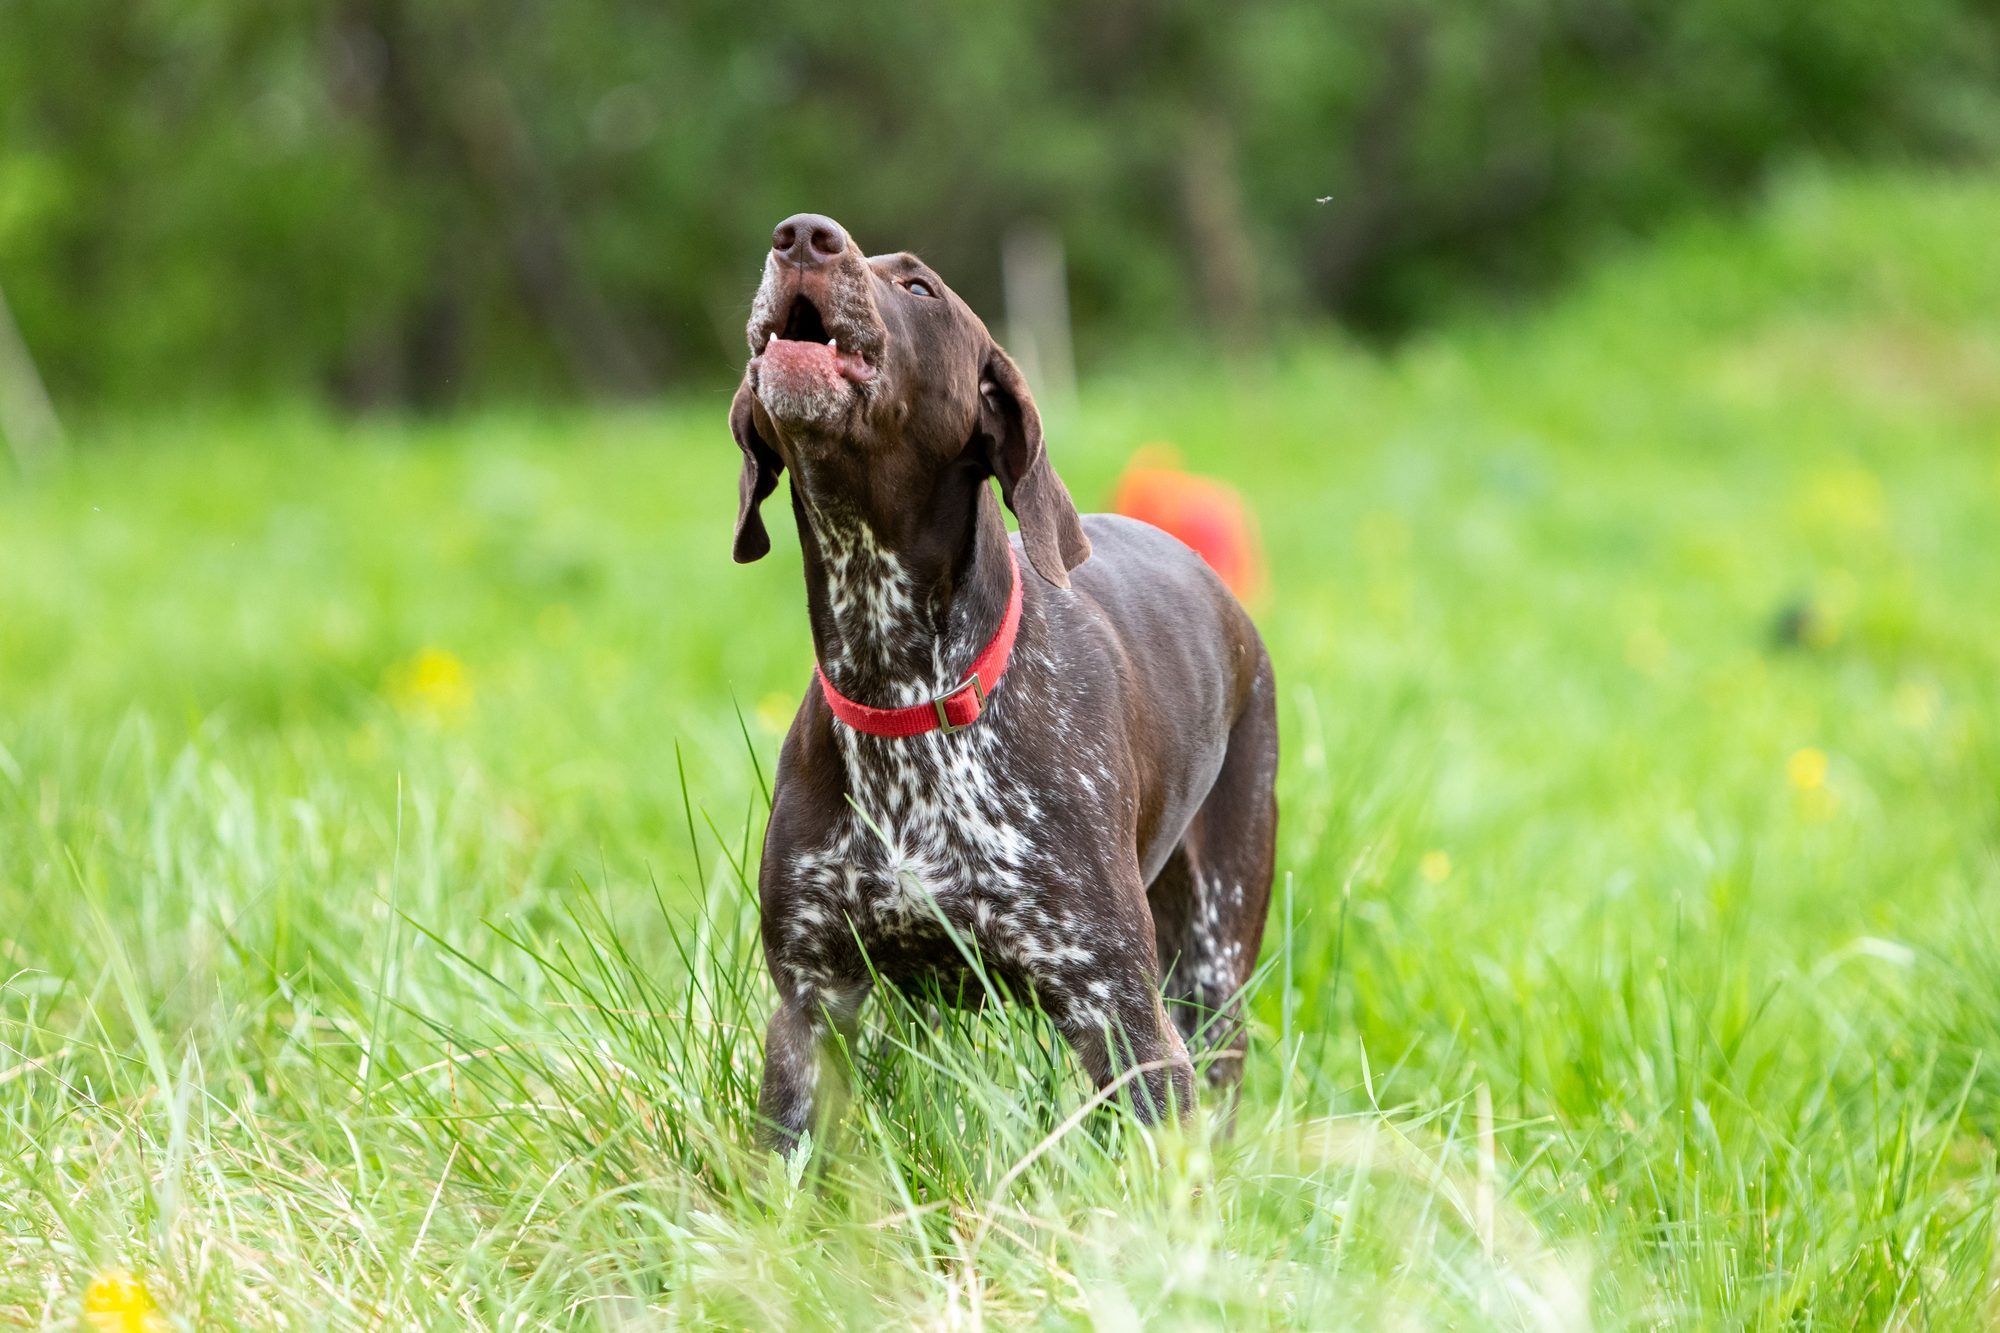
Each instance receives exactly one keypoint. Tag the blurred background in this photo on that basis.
(403, 204)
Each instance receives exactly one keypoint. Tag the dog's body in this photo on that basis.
(1109, 813)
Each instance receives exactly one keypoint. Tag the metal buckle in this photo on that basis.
(978, 692)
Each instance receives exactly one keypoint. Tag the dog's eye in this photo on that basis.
(918, 287)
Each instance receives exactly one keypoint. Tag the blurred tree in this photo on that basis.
(411, 201)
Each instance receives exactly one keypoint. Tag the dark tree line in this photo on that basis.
(414, 201)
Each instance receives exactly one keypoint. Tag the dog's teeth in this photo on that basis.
(833, 343)
(773, 338)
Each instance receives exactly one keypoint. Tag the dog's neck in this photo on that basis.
(901, 602)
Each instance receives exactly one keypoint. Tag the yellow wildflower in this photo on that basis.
(1807, 768)
(117, 1302)
(1435, 866)
(432, 684)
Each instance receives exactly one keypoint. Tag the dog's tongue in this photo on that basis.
(799, 358)
(802, 362)
(801, 374)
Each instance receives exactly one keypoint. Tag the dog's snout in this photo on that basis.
(809, 240)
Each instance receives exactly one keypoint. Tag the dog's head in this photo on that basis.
(874, 375)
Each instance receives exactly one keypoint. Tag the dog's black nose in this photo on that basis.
(809, 240)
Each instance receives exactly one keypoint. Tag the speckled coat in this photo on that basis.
(1104, 830)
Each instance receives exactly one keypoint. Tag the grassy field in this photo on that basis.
(376, 805)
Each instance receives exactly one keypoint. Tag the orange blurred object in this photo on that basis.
(1203, 512)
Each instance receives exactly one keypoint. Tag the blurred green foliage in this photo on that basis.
(384, 201)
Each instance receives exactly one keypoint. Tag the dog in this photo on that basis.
(1046, 765)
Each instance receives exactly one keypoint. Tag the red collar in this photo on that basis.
(957, 707)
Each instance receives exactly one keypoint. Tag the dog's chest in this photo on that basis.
(930, 819)
(939, 840)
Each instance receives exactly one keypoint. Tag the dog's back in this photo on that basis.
(1186, 655)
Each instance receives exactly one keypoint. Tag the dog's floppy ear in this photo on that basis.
(761, 466)
(1051, 532)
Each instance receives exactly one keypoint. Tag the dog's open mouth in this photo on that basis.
(805, 356)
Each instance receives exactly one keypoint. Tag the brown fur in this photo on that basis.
(1106, 827)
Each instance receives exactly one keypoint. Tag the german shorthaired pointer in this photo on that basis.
(1060, 767)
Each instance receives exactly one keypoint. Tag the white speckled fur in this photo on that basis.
(940, 823)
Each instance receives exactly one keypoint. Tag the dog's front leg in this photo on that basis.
(1127, 1036)
(804, 1077)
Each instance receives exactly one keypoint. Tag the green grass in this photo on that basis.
(369, 961)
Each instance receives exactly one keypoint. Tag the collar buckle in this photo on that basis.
(978, 694)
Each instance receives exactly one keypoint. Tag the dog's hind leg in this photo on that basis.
(1210, 900)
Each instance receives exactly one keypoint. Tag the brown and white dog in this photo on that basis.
(1094, 818)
